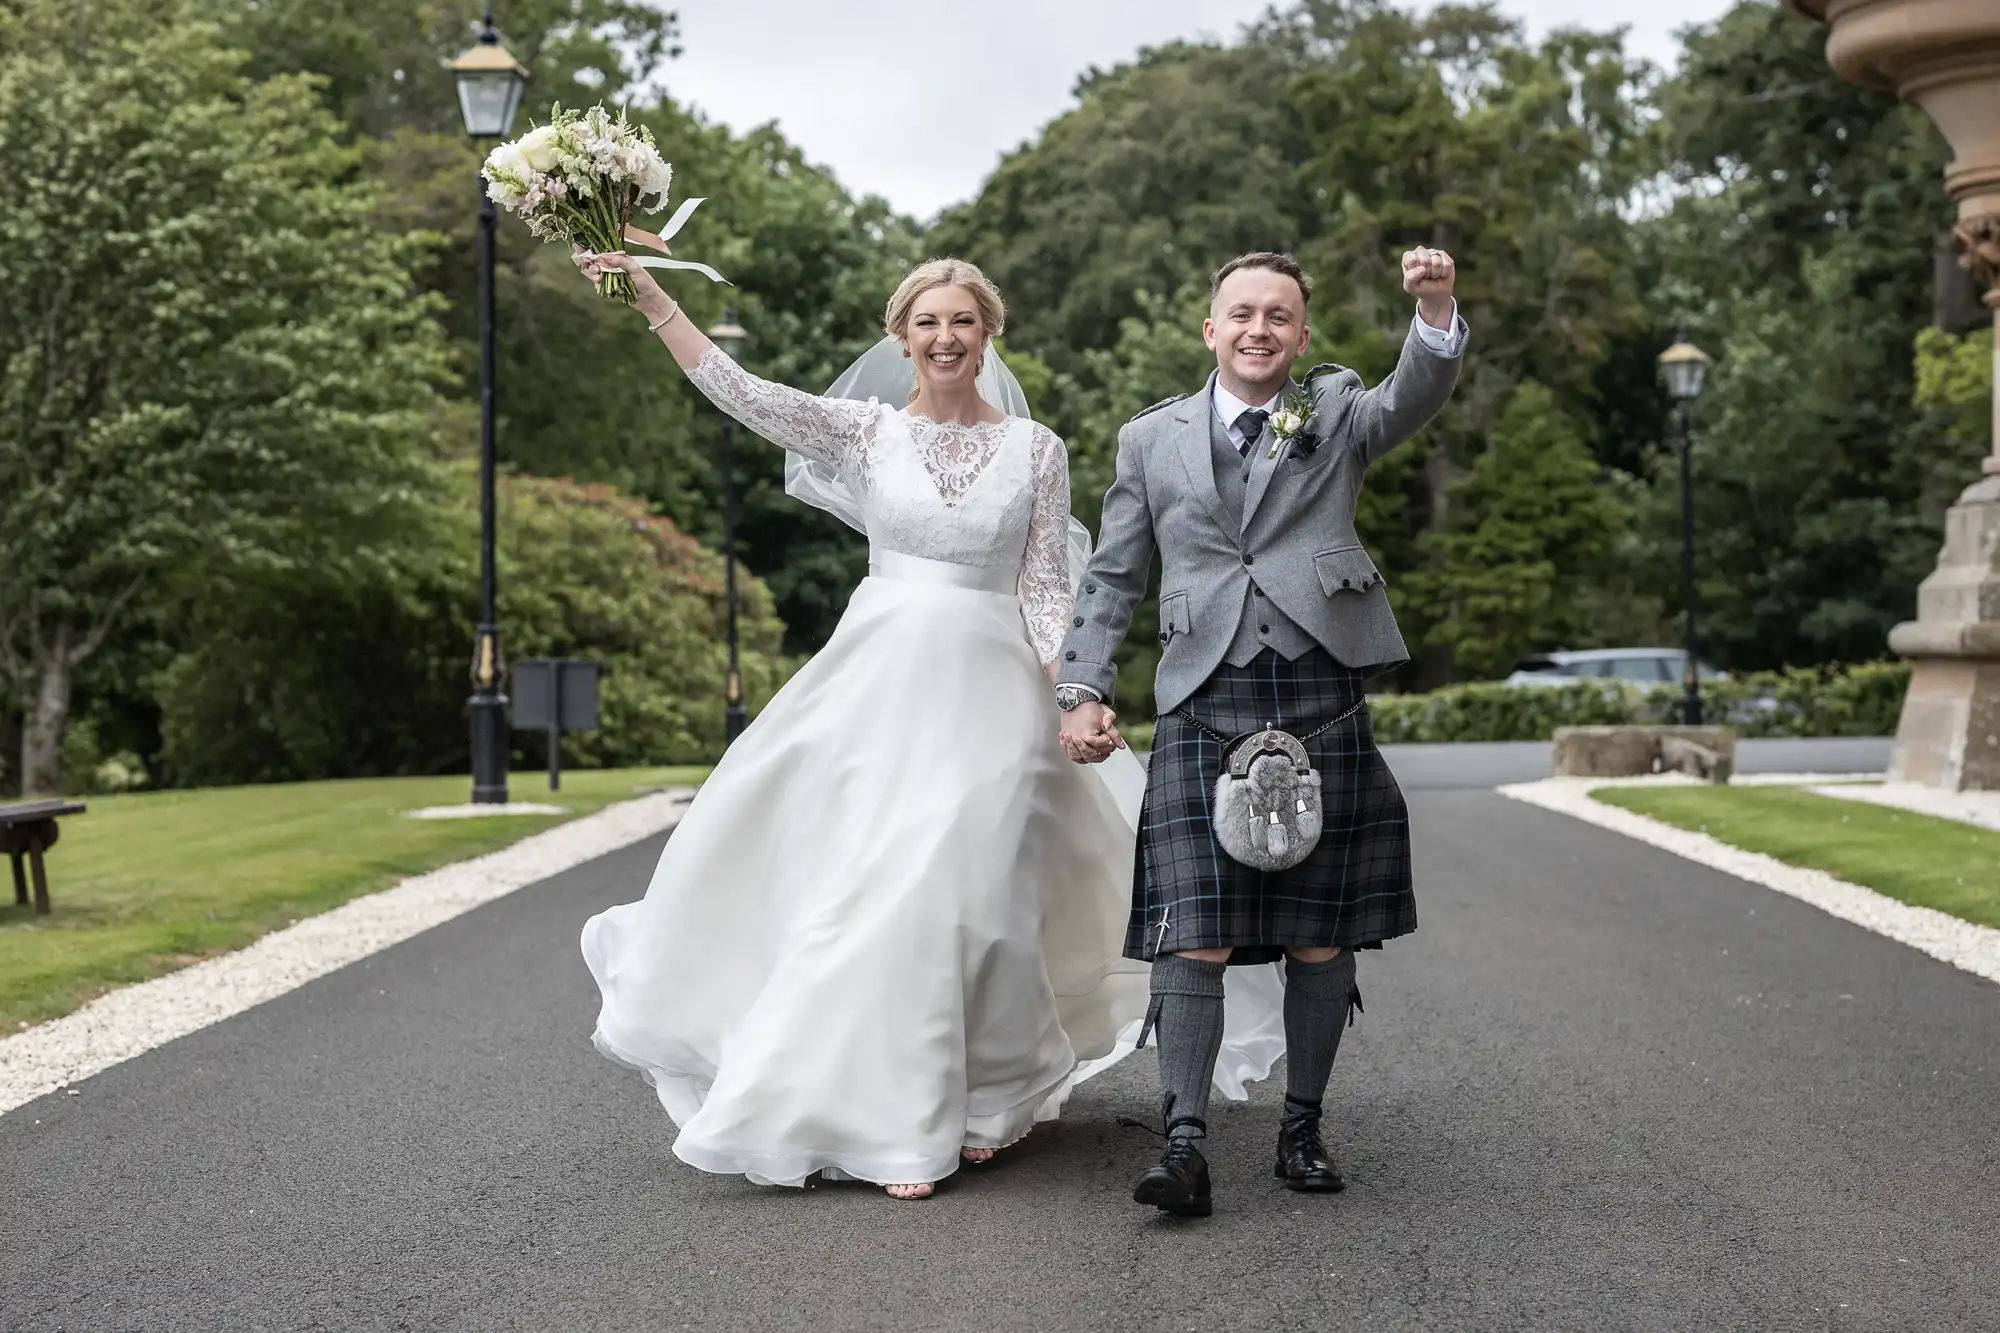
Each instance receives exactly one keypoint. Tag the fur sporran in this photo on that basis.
(1267, 812)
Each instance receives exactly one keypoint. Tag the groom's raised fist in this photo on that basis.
(1427, 272)
(1428, 275)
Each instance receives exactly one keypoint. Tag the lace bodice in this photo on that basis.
(987, 494)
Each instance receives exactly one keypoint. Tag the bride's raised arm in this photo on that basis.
(826, 430)
(1046, 595)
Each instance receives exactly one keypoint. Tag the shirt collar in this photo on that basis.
(1228, 406)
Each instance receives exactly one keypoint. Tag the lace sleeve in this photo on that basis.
(1046, 595)
(826, 430)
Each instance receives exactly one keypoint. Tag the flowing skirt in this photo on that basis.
(891, 923)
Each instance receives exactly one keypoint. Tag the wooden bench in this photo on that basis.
(28, 830)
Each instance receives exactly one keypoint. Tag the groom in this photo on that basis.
(1271, 616)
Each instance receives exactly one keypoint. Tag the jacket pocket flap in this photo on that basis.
(1174, 614)
(1347, 569)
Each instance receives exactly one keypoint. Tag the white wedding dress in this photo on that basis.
(890, 925)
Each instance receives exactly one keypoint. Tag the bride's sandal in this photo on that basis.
(910, 1192)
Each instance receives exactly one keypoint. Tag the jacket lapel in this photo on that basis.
(1191, 443)
(1262, 469)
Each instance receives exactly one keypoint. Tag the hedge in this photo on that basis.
(1863, 700)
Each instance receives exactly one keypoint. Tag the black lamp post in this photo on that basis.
(729, 337)
(490, 83)
(1683, 366)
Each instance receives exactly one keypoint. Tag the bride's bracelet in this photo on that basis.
(671, 314)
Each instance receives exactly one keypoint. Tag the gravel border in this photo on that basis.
(1975, 949)
(1981, 808)
(135, 1019)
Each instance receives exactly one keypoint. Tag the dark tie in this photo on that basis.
(1251, 423)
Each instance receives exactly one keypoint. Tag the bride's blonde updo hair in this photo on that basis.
(945, 273)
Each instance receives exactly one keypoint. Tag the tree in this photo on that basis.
(1797, 247)
(340, 673)
(1167, 167)
(382, 61)
(1523, 568)
(211, 351)
(583, 393)
(1447, 129)
(1954, 388)
(1347, 132)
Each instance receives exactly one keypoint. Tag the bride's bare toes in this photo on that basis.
(909, 1191)
(977, 1154)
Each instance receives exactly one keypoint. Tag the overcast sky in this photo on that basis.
(917, 99)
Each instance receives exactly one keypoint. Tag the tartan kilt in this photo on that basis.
(1354, 891)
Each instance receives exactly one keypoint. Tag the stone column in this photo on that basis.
(1944, 55)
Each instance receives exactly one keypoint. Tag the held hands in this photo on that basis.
(1428, 275)
(1090, 733)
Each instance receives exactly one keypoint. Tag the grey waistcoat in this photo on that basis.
(1260, 624)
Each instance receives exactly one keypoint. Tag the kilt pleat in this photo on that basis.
(1354, 891)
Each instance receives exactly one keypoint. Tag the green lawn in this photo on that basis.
(1918, 859)
(146, 884)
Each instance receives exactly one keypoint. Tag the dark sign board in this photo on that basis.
(554, 695)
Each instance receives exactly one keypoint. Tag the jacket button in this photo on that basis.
(1263, 629)
(1163, 636)
(1070, 656)
(1347, 583)
(1249, 560)
(1090, 587)
(1256, 592)
(1077, 621)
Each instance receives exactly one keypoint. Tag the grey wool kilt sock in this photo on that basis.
(1318, 1005)
(1187, 1022)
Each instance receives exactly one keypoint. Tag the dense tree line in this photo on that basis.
(1782, 216)
(236, 377)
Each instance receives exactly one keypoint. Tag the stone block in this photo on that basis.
(1949, 736)
(1684, 755)
(1631, 752)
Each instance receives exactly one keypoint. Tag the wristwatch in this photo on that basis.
(1070, 696)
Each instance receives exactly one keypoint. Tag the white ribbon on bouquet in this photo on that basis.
(667, 233)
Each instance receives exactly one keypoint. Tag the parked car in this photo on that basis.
(1634, 666)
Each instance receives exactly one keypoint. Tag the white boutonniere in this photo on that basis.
(1290, 420)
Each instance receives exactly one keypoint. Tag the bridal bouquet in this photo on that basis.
(577, 180)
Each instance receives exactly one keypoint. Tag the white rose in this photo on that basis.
(657, 181)
(506, 160)
(538, 148)
(504, 194)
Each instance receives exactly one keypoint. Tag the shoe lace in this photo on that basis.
(1304, 1136)
(1178, 1149)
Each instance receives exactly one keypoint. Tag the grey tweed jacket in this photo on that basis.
(1295, 542)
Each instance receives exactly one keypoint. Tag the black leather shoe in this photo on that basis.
(1179, 1183)
(1303, 1161)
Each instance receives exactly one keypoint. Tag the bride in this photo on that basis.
(887, 935)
